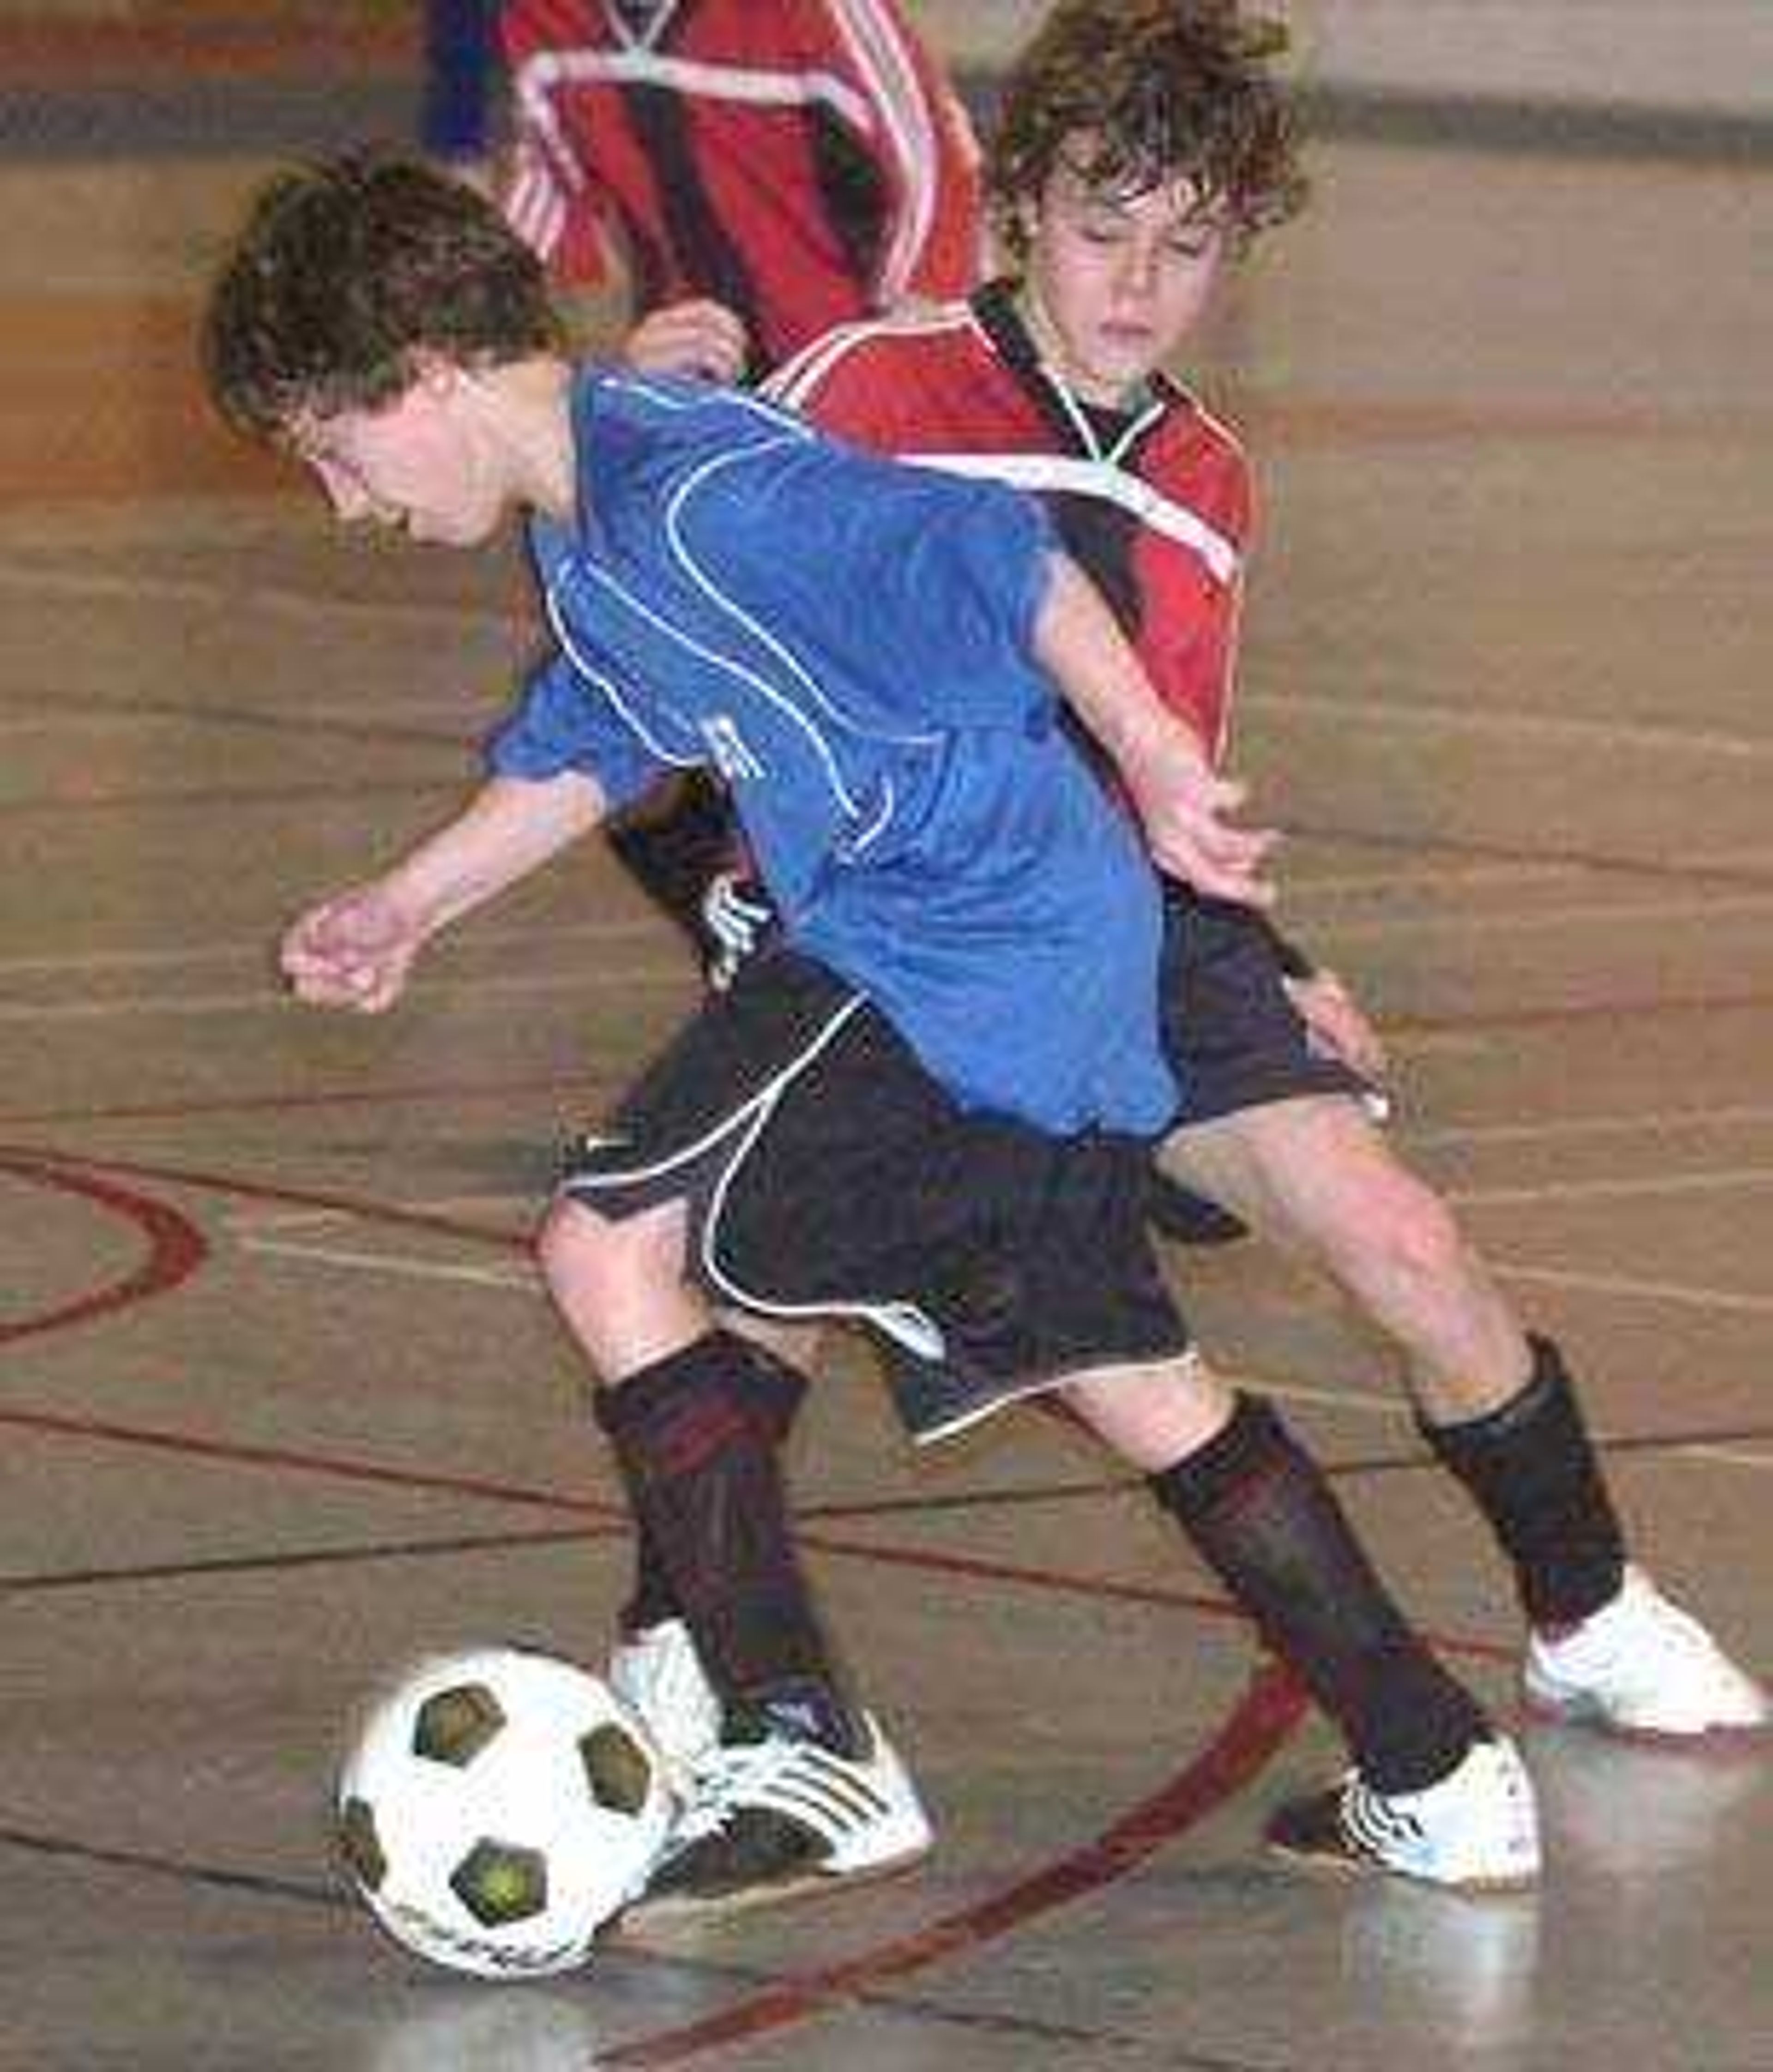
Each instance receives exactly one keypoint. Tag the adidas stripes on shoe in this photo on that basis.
(1475, 1830)
(772, 1818)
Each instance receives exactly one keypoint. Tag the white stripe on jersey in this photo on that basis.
(795, 378)
(548, 71)
(535, 208)
(1102, 479)
(878, 51)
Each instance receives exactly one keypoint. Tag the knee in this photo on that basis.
(1406, 1229)
(585, 1257)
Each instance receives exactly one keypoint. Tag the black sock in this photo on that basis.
(697, 1436)
(776, 1390)
(1532, 1470)
(1260, 1512)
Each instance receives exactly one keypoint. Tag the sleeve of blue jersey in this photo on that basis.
(561, 722)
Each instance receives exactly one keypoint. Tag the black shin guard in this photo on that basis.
(696, 1437)
(776, 1390)
(1532, 1472)
(1258, 1510)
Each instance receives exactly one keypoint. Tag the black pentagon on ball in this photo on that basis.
(361, 1845)
(617, 1768)
(499, 1882)
(455, 1726)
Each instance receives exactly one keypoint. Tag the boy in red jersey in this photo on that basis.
(795, 165)
(1142, 144)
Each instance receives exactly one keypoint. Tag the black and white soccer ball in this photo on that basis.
(497, 1808)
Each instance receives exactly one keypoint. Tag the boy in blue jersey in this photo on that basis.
(924, 1107)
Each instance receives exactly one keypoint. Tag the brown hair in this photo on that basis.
(346, 270)
(1131, 94)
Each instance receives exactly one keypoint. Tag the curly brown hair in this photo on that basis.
(1132, 94)
(345, 270)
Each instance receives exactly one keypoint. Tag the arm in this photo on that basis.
(356, 950)
(1164, 765)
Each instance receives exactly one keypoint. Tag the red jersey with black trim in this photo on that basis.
(1153, 503)
(804, 162)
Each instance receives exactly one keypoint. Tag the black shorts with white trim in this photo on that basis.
(827, 1174)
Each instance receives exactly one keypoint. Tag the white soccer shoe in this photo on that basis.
(775, 1817)
(1642, 1667)
(1477, 1830)
(658, 1675)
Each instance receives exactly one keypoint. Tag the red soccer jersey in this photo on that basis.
(804, 162)
(1155, 505)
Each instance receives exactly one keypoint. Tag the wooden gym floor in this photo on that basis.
(280, 1406)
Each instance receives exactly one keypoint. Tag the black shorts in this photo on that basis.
(828, 1175)
(1233, 1039)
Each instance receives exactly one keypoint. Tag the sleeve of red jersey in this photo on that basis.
(924, 143)
(551, 194)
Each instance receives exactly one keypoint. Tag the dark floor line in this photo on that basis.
(1658, 870)
(287, 1460)
(366, 1553)
(1093, 1489)
(333, 1898)
(252, 719)
(1653, 1006)
(1362, 1465)
(443, 1090)
(392, 1213)
(258, 1882)
(188, 803)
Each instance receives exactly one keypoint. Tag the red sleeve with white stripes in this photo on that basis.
(924, 145)
(552, 196)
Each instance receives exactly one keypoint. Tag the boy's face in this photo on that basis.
(411, 464)
(1117, 280)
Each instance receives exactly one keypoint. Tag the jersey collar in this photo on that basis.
(1095, 433)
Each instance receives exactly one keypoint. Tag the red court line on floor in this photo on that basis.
(434, 1090)
(176, 1247)
(69, 1162)
(1270, 1708)
(288, 1460)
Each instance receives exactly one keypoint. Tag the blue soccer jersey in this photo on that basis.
(849, 643)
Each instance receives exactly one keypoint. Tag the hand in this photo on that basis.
(353, 951)
(1185, 808)
(1335, 1025)
(698, 338)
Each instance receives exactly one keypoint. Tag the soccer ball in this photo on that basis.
(496, 1809)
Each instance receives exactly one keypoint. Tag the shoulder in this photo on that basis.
(650, 426)
(875, 353)
(1195, 452)
(528, 28)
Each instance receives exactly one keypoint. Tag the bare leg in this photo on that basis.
(1314, 1176)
